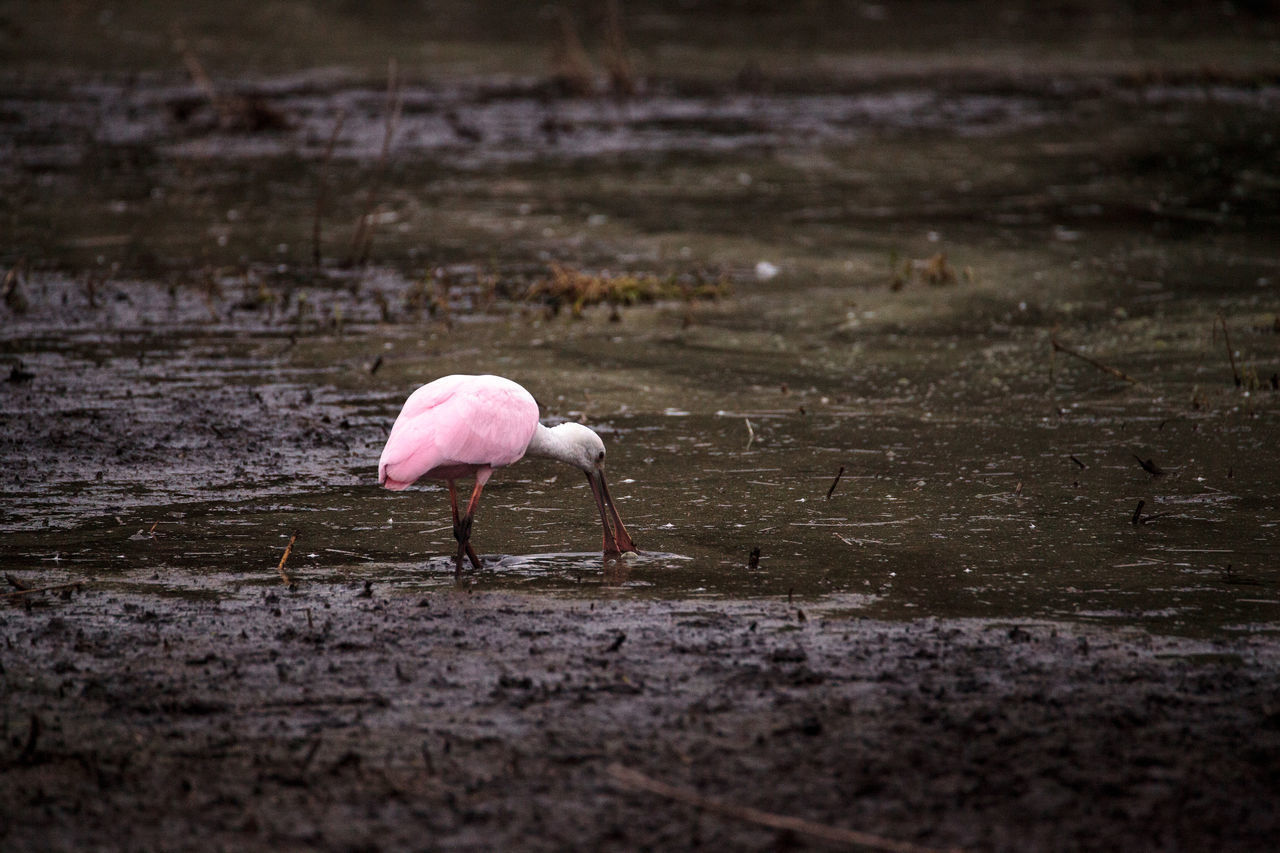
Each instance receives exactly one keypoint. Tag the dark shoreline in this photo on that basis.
(323, 719)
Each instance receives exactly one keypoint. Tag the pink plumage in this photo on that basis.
(466, 426)
(456, 426)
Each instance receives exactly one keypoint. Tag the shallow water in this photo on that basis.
(178, 428)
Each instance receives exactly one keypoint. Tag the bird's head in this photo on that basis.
(583, 448)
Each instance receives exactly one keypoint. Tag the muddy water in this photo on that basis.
(198, 395)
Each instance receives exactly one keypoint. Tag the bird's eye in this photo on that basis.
(600, 456)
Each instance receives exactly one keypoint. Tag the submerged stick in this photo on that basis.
(637, 781)
(1105, 368)
(33, 735)
(362, 241)
(835, 482)
(322, 188)
(1150, 466)
(288, 549)
(35, 589)
(1226, 337)
(199, 76)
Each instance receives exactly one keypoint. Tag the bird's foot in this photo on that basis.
(465, 549)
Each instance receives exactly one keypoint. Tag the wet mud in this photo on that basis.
(347, 717)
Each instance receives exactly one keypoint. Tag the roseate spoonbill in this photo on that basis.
(466, 426)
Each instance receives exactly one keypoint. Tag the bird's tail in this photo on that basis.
(389, 482)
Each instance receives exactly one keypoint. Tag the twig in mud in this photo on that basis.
(311, 753)
(1105, 368)
(288, 549)
(637, 781)
(33, 735)
(1078, 462)
(1231, 576)
(377, 363)
(12, 295)
(362, 241)
(751, 433)
(1149, 466)
(1137, 513)
(34, 589)
(322, 188)
(835, 482)
(1226, 338)
(846, 540)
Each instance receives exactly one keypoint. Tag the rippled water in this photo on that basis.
(171, 439)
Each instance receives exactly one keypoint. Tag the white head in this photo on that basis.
(579, 446)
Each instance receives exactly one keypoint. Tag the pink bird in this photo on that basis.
(467, 426)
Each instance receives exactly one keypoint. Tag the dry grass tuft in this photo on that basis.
(935, 271)
(576, 290)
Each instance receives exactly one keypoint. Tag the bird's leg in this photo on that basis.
(461, 531)
(462, 527)
(462, 522)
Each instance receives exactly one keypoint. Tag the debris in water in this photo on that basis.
(288, 549)
(1105, 368)
(17, 373)
(1149, 466)
(935, 271)
(321, 187)
(635, 780)
(836, 482)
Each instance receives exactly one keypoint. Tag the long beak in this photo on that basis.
(616, 538)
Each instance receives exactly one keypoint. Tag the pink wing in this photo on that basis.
(456, 425)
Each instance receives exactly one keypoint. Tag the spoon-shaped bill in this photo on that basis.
(616, 538)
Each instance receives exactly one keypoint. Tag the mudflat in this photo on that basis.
(353, 717)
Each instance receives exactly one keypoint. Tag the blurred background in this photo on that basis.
(669, 40)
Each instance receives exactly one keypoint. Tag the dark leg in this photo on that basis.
(462, 523)
(481, 478)
(461, 531)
